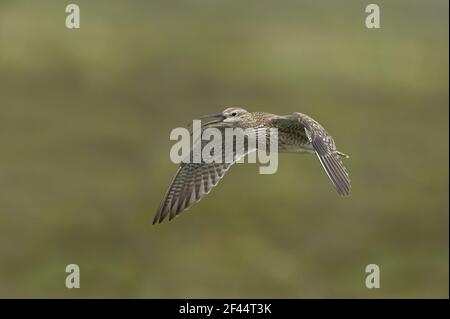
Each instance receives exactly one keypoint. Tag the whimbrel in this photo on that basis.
(297, 133)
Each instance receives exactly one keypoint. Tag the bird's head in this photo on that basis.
(231, 116)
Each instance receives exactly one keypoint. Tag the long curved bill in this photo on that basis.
(217, 118)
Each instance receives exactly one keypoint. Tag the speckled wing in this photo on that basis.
(323, 145)
(192, 182)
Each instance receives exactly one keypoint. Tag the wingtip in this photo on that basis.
(159, 217)
(344, 191)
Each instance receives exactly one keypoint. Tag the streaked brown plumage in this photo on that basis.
(297, 133)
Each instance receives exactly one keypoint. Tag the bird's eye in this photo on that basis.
(234, 114)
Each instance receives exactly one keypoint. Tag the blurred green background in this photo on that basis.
(85, 117)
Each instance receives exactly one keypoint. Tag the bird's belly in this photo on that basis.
(295, 148)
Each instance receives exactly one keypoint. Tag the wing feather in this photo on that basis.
(191, 183)
(323, 145)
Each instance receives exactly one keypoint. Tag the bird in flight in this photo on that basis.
(297, 133)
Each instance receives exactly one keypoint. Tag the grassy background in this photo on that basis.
(85, 117)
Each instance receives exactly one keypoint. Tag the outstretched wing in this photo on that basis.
(191, 182)
(323, 145)
(194, 180)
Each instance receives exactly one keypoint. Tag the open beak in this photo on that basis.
(217, 118)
